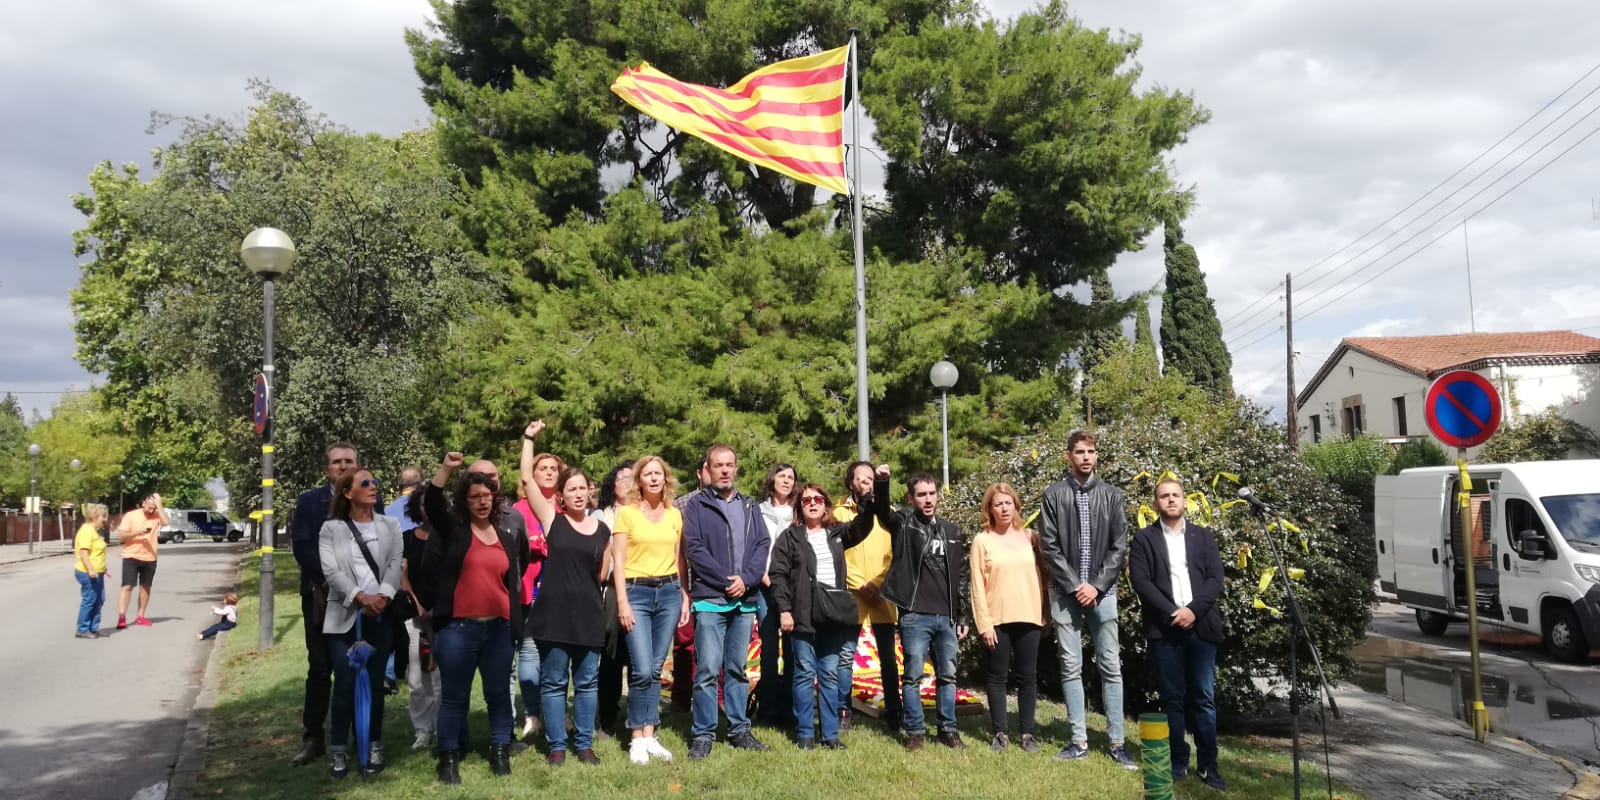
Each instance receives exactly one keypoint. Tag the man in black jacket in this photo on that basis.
(1085, 540)
(927, 580)
(310, 511)
(1177, 572)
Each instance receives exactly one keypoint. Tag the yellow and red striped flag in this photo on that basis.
(786, 116)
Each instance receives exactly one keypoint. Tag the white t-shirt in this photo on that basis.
(818, 539)
(366, 582)
(1178, 564)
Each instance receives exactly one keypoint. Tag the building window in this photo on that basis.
(1316, 428)
(1400, 416)
(1351, 417)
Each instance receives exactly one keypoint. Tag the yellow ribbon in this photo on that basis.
(1029, 521)
(1147, 516)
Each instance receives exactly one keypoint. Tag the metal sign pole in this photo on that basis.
(1480, 714)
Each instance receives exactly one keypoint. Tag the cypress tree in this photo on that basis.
(1099, 342)
(1191, 335)
(1144, 340)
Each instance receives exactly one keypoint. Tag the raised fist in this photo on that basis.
(534, 428)
(453, 461)
(883, 471)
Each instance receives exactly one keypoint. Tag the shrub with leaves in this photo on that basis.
(1415, 453)
(1545, 436)
(1327, 539)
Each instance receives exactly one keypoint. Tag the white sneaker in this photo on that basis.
(637, 754)
(530, 727)
(424, 740)
(655, 749)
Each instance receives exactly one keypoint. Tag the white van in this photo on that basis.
(1534, 547)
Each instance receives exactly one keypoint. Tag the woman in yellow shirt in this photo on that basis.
(90, 548)
(651, 597)
(1008, 609)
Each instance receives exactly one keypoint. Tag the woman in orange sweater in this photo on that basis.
(1008, 609)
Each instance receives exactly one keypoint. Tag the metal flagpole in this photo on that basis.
(863, 443)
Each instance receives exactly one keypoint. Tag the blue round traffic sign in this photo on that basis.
(1462, 409)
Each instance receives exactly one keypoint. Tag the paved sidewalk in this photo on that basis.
(1388, 749)
(16, 553)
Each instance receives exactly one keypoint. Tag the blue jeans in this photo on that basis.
(460, 649)
(225, 625)
(555, 661)
(920, 636)
(1185, 673)
(655, 618)
(1069, 619)
(883, 637)
(816, 665)
(721, 645)
(379, 634)
(528, 677)
(94, 598)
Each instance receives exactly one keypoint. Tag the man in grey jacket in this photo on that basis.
(1085, 541)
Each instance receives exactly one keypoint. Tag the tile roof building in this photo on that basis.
(1377, 384)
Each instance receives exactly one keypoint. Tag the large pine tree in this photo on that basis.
(1191, 335)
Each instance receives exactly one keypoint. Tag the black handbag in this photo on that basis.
(833, 606)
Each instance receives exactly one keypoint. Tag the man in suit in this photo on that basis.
(1176, 570)
(310, 511)
(1084, 534)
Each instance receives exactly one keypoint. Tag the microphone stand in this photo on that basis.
(1297, 629)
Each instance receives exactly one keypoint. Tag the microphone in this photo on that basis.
(1256, 505)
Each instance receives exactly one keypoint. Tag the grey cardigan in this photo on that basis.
(335, 546)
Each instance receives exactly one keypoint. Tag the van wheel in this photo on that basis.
(1562, 635)
(177, 537)
(1432, 623)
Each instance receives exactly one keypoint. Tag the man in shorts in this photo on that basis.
(138, 533)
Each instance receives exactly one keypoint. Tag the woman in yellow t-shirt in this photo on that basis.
(652, 599)
(90, 548)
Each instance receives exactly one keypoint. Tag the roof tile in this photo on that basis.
(1424, 355)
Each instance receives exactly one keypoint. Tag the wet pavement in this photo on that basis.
(1528, 695)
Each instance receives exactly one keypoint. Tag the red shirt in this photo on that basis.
(481, 588)
(536, 543)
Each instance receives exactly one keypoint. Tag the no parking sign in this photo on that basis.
(1462, 409)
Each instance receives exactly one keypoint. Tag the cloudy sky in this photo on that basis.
(1329, 117)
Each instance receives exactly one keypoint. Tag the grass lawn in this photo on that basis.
(255, 728)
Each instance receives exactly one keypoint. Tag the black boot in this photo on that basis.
(311, 749)
(500, 759)
(449, 768)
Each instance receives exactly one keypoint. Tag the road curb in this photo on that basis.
(192, 753)
(34, 557)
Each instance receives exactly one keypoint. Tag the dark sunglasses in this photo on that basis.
(367, 483)
(813, 500)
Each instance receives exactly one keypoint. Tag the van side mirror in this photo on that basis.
(1532, 543)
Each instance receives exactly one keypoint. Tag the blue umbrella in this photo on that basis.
(360, 652)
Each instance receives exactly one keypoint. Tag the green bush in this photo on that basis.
(1334, 549)
(1545, 436)
(1418, 453)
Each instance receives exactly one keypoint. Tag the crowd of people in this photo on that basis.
(555, 593)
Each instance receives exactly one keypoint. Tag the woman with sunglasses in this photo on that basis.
(808, 587)
(361, 554)
(568, 621)
(473, 567)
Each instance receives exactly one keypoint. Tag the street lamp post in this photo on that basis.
(77, 499)
(268, 252)
(944, 375)
(33, 496)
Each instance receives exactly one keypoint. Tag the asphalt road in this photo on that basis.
(90, 719)
(1528, 694)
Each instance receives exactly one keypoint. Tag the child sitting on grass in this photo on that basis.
(229, 611)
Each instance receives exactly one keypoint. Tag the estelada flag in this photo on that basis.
(786, 116)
